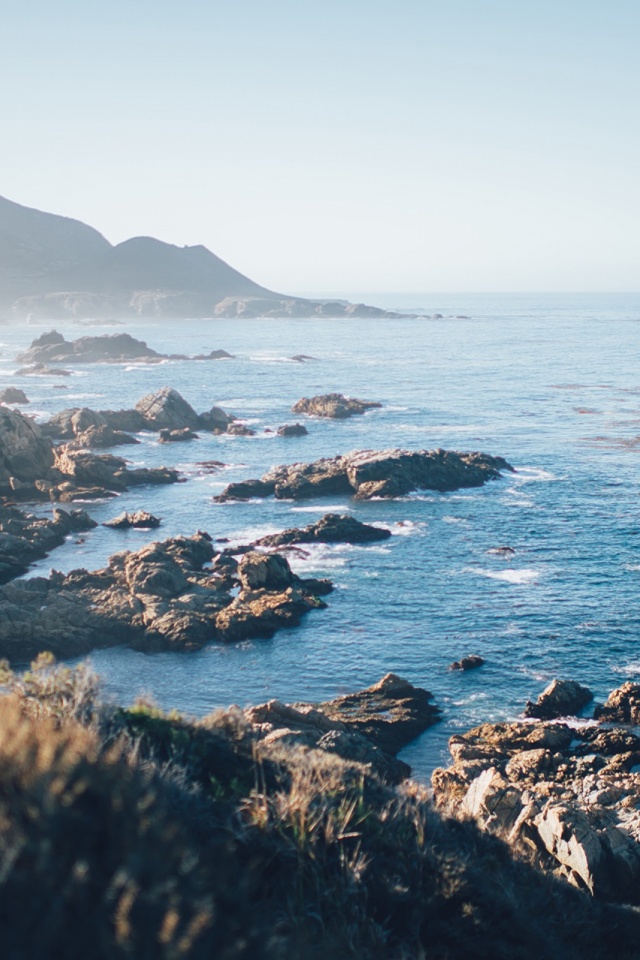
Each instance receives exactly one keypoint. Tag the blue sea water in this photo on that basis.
(551, 382)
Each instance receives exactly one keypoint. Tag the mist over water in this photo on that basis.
(550, 382)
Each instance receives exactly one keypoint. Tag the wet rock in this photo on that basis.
(332, 528)
(333, 405)
(25, 538)
(470, 662)
(214, 355)
(301, 357)
(13, 395)
(101, 438)
(161, 597)
(370, 473)
(502, 551)
(292, 430)
(562, 698)
(215, 420)
(140, 520)
(177, 436)
(622, 705)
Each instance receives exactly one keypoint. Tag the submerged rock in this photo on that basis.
(333, 405)
(367, 727)
(562, 698)
(371, 473)
(161, 597)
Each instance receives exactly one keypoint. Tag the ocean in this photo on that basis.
(551, 382)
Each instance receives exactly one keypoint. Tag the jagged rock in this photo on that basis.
(166, 408)
(13, 395)
(100, 438)
(127, 421)
(333, 405)
(25, 538)
(292, 430)
(332, 528)
(350, 726)
(470, 662)
(158, 598)
(370, 473)
(215, 420)
(258, 571)
(569, 797)
(562, 698)
(177, 436)
(622, 705)
(140, 520)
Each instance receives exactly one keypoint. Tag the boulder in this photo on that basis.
(370, 473)
(13, 395)
(240, 430)
(292, 430)
(166, 408)
(562, 698)
(333, 405)
(215, 420)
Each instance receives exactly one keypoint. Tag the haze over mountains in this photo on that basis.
(54, 267)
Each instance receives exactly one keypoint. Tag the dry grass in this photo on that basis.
(136, 834)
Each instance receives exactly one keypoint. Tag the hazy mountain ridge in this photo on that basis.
(54, 267)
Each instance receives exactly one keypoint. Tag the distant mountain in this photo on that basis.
(53, 267)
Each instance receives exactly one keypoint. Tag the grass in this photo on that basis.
(132, 833)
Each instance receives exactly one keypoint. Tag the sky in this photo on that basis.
(419, 145)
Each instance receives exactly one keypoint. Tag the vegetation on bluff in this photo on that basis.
(132, 833)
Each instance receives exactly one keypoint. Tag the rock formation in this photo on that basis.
(13, 395)
(370, 473)
(333, 405)
(161, 597)
(567, 796)
(367, 727)
(25, 538)
(562, 698)
(292, 430)
(331, 528)
(470, 662)
(140, 520)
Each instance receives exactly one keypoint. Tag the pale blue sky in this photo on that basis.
(410, 146)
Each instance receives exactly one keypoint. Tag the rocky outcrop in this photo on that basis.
(140, 520)
(622, 705)
(367, 727)
(176, 436)
(161, 597)
(332, 528)
(333, 405)
(162, 410)
(569, 797)
(562, 698)
(292, 430)
(13, 395)
(281, 308)
(25, 455)
(108, 348)
(42, 370)
(25, 538)
(370, 473)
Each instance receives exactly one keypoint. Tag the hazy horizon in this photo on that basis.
(476, 147)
